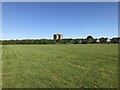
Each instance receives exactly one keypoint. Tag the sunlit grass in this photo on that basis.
(0, 66)
(81, 66)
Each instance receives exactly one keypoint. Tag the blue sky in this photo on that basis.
(73, 20)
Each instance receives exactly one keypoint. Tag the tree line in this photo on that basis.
(88, 40)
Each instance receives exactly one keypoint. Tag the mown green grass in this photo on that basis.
(65, 66)
(0, 66)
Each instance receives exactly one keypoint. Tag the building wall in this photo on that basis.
(57, 36)
(54, 36)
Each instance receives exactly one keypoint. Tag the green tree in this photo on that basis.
(90, 39)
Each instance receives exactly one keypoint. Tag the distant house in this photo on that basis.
(57, 36)
(97, 40)
(108, 40)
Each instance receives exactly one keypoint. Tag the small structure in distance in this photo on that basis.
(57, 36)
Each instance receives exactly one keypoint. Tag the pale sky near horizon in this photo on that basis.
(25, 20)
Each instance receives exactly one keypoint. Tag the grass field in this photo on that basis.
(0, 66)
(73, 66)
